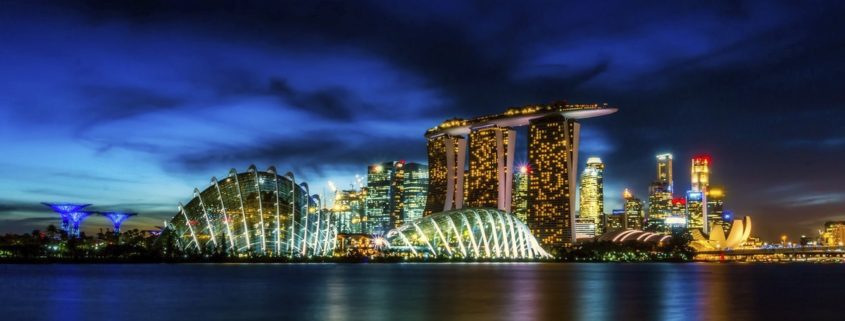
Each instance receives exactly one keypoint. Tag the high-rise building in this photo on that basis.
(615, 221)
(553, 156)
(700, 173)
(634, 213)
(396, 192)
(715, 207)
(700, 177)
(446, 157)
(592, 192)
(490, 167)
(414, 191)
(519, 205)
(660, 195)
(349, 211)
(664, 170)
(695, 210)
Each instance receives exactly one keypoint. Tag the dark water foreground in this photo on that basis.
(422, 292)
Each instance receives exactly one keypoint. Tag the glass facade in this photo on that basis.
(255, 212)
(591, 191)
(349, 211)
(396, 193)
(633, 211)
(466, 233)
(519, 205)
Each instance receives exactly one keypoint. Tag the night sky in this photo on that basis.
(130, 106)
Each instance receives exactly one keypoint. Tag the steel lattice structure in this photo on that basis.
(257, 212)
(467, 233)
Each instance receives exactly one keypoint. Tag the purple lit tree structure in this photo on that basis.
(76, 218)
(65, 209)
(117, 218)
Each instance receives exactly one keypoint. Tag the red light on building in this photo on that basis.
(679, 201)
(702, 159)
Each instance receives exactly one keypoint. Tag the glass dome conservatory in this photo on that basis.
(254, 212)
(467, 233)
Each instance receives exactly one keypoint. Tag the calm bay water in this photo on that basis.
(422, 292)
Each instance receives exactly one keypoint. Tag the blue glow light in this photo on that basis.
(65, 210)
(117, 218)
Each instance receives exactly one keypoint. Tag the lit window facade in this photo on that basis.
(552, 155)
(446, 162)
(634, 214)
(396, 193)
(490, 168)
(349, 211)
(715, 207)
(591, 205)
(519, 205)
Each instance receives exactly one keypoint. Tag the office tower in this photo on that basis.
(349, 211)
(700, 177)
(553, 156)
(615, 221)
(660, 195)
(592, 192)
(384, 195)
(490, 176)
(715, 206)
(695, 210)
(414, 190)
(664, 170)
(519, 205)
(396, 192)
(700, 173)
(634, 214)
(446, 157)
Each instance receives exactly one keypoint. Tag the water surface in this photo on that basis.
(422, 292)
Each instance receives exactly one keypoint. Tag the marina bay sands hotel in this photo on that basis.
(553, 138)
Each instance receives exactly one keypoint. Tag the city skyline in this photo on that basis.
(111, 105)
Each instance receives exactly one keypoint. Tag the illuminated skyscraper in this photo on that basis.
(660, 195)
(553, 155)
(490, 167)
(700, 173)
(592, 192)
(349, 212)
(384, 195)
(519, 205)
(396, 192)
(715, 206)
(634, 214)
(414, 190)
(664, 169)
(695, 210)
(446, 157)
(700, 176)
(615, 221)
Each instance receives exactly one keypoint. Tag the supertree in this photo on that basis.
(65, 210)
(117, 218)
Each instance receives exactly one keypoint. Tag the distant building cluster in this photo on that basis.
(701, 208)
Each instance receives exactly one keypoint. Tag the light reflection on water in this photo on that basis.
(420, 292)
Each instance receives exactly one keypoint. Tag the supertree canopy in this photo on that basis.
(117, 218)
(65, 210)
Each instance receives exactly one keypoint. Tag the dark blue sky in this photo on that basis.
(131, 105)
